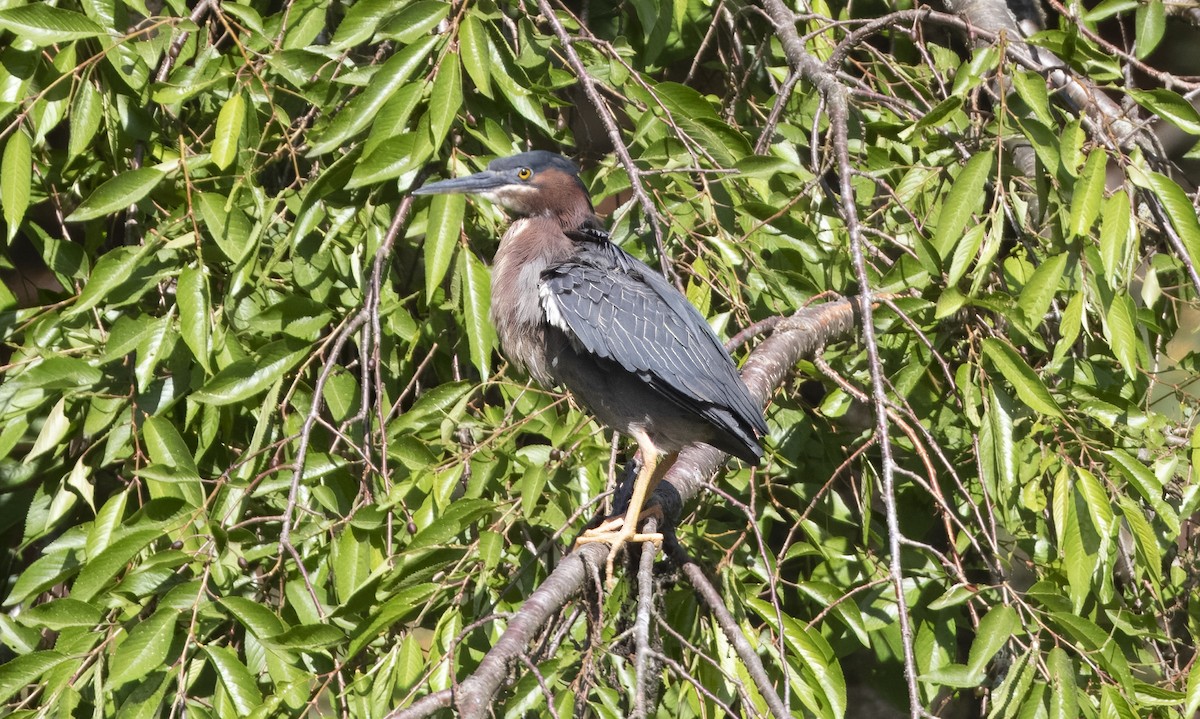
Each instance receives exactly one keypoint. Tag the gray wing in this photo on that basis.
(614, 306)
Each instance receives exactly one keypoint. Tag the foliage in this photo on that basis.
(193, 201)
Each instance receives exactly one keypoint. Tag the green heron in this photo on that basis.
(578, 311)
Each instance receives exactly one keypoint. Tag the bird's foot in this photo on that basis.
(615, 533)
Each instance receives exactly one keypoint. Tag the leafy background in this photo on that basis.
(259, 457)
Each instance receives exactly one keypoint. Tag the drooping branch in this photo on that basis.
(767, 367)
(837, 106)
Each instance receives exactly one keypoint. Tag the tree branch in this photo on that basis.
(837, 107)
(798, 336)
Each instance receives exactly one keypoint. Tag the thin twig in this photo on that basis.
(834, 95)
(712, 599)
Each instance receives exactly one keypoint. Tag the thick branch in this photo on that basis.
(798, 336)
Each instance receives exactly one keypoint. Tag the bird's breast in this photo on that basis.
(529, 246)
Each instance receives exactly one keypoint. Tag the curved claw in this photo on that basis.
(615, 533)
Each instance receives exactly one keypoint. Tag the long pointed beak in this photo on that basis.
(479, 183)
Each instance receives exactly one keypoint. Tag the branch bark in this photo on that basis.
(798, 336)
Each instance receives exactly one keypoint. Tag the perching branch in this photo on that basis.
(764, 371)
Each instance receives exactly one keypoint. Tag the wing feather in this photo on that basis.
(616, 307)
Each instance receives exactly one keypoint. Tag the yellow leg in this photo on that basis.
(620, 530)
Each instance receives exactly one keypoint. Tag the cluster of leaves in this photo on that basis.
(229, 490)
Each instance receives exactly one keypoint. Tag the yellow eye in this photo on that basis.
(524, 173)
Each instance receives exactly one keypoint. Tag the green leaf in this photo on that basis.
(995, 629)
(962, 203)
(360, 112)
(1063, 700)
(42, 574)
(445, 99)
(256, 618)
(441, 237)
(59, 614)
(1179, 209)
(1151, 23)
(118, 193)
(308, 637)
(191, 294)
(477, 300)
(405, 602)
(44, 24)
(22, 672)
(245, 378)
(1114, 234)
(1019, 374)
(1039, 291)
(111, 271)
(1087, 195)
(450, 523)
(1170, 106)
(228, 131)
(361, 21)
(227, 223)
(473, 44)
(416, 19)
(166, 446)
(236, 678)
(16, 176)
(1193, 691)
(146, 647)
(87, 110)
(1122, 336)
(101, 569)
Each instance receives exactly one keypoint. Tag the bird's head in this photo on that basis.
(529, 184)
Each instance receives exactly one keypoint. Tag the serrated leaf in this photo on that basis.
(118, 193)
(229, 226)
(477, 300)
(44, 24)
(1114, 234)
(1063, 699)
(394, 609)
(445, 98)
(146, 647)
(995, 629)
(16, 176)
(42, 574)
(87, 110)
(473, 44)
(101, 569)
(1180, 211)
(256, 618)
(166, 446)
(1021, 376)
(1151, 23)
(962, 203)
(228, 131)
(110, 272)
(1039, 291)
(1170, 106)
(191, 294)
(1087, 195)
(441, 237)
(236, 678)
(245, 378)
(451, 522)
(1121, 333)
(22, 672)
(61, 613)
(360, 112)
